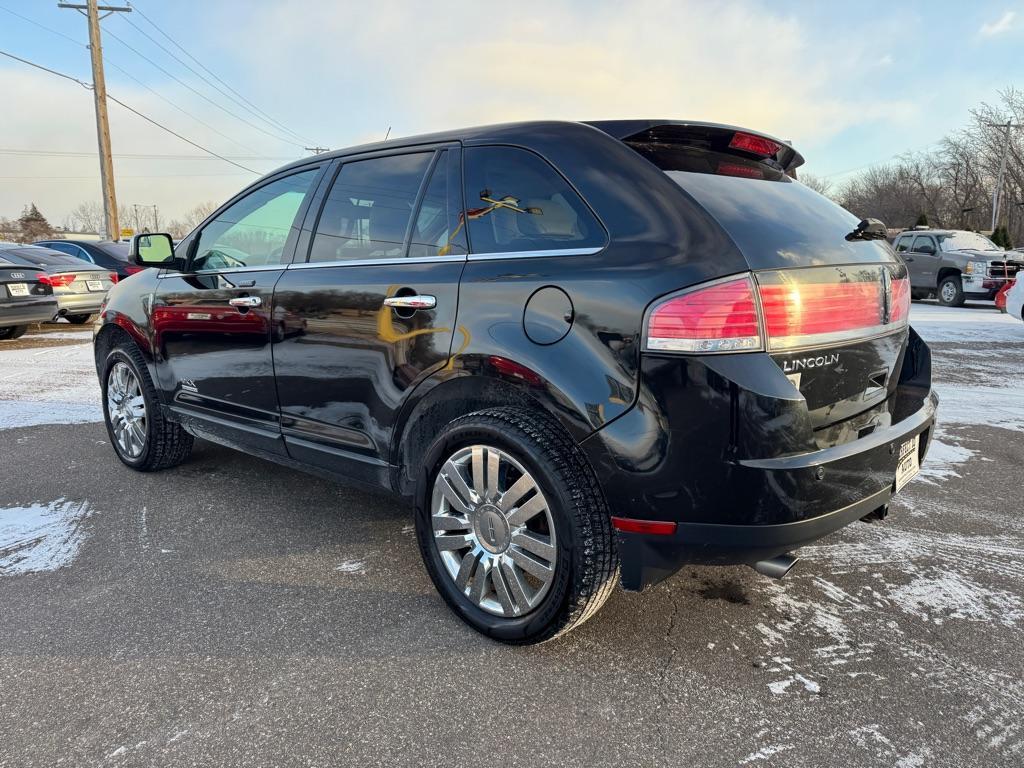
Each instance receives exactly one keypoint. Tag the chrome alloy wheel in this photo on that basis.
(948, 292)
(126, 409)
(493, 530)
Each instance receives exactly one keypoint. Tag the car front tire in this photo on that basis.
(951, 292)
(513, 527)
(142, 438)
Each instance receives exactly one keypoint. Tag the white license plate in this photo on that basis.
(94, 285)
(909, 464)
(18, 289)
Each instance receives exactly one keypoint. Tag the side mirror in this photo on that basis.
(155, 249)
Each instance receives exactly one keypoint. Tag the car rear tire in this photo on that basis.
(77, 319)
(142, 438)
(513, 527)
(12, 332)
(951, 292)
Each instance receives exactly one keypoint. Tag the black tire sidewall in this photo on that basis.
(540, 621)
(118, 355)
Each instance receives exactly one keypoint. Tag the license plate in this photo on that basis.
(909, 464)
(94, 285)
(18, 289)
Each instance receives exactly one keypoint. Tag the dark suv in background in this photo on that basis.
(585, 353)
(955, 265)
(102, 253)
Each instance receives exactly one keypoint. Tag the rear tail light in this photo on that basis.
(113, 277)
(719, 318)
(757, 145)
(781, 310)
(57, 281)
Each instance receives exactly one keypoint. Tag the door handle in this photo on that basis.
(411, 302)
(246, 301)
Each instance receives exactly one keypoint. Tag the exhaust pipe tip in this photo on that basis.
(775, 567)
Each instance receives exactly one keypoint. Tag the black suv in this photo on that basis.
(586, 353)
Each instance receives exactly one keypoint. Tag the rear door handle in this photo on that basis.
(419, 301)
(246, 301)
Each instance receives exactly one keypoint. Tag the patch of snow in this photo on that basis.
(19, 413)
(953, 324)
(938, 594)
(53, 385)
(765, 752)
(779, 687)
(357, 567)
(943, 456)
(41, 537)
(983, 405)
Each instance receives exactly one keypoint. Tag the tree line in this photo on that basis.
(951, 185)
(87, 218)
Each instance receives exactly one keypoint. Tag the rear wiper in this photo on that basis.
(869, 229)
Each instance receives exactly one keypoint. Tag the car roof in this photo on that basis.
(521, 132)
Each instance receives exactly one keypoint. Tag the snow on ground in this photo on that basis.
(981, 323)
(49, 385)
(41, 537)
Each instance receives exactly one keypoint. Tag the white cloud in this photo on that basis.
(1003, 24)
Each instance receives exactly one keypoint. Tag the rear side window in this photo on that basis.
(439, 228)
(367, 211)
(902, 244)
(515, 201)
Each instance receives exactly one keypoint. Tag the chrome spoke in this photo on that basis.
(493, 530)
(534, 543)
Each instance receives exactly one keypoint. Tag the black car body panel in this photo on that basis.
(322, 374)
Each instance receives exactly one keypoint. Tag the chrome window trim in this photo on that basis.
(536, 254)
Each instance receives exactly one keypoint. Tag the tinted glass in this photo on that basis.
(40, 257)
(438, 230)
(902, 244)
(516, 201)
(118, 251)
(920, 243)
(367, 211)
(254, 231)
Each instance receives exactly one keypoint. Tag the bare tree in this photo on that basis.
(819, 184)
(178, 228)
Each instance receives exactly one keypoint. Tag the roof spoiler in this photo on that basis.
(697, 133)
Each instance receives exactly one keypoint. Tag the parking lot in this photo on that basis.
(235, 612)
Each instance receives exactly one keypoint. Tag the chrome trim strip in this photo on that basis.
(376, 262)
(536, 254)
(778, 345)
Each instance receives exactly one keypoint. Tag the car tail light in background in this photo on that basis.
(57, 281)
(131, 269)
(113, 277)
(721, 317)
(782, 310)
(757, 145)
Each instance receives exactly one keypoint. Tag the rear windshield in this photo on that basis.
(118, 251)
(40, 257)
(963, 241)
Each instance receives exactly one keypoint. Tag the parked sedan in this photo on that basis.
(78, 287)
(106, 253)
(23, 300)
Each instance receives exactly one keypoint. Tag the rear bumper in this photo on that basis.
(37, 310)
(79, 303)
(647, 559)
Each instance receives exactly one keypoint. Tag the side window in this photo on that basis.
(439, 228)
(515, 201)
(254, 231)
(923, 244)
(902, 243)
(367, 211)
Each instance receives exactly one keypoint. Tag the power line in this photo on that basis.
(206, 80)
(42, 26)
(130, 109)
(134, 156)
(200, 94)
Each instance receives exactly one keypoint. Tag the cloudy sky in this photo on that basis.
(851, 84)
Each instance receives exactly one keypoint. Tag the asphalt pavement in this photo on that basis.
(233, 612)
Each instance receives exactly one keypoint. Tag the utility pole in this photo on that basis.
(998, 191)
(317, 150)
(91, 10)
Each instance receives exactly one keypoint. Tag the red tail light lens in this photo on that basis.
(757, 145)
(113, 277)
(655, 527)
(719, 318)
(57, 281)
(792, 309)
